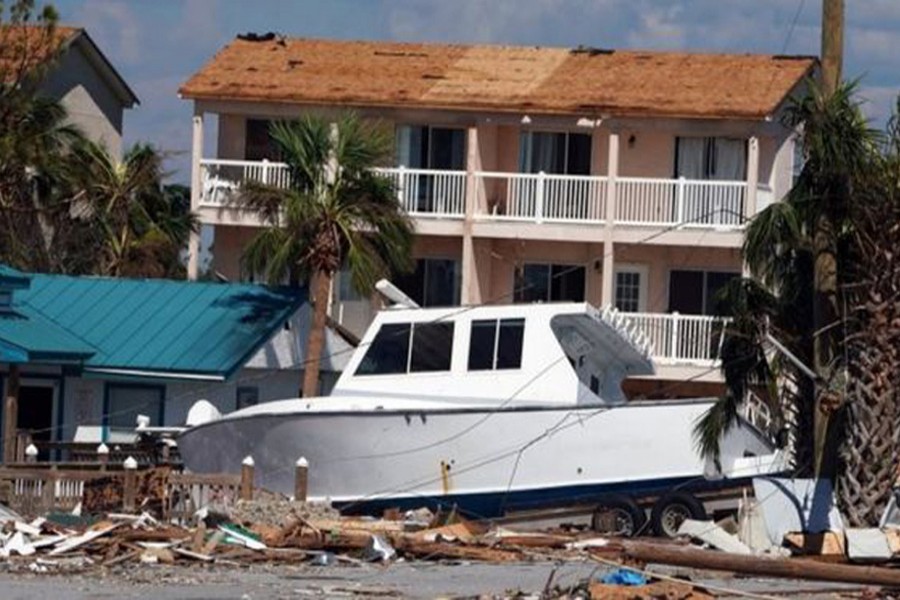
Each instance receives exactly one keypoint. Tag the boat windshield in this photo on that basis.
(409, 348)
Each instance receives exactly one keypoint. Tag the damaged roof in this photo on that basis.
(498, 78)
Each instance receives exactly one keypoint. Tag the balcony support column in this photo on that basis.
(752, 187)
(612, 171)
(193, 266)
(471, 290)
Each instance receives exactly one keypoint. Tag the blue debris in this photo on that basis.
(624, 577)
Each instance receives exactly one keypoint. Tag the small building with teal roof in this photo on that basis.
(82, 357)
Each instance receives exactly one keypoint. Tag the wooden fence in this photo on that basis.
(32, 490)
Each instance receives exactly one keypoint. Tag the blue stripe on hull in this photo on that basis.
(495, 504)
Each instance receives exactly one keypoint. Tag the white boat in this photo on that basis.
(488, 408)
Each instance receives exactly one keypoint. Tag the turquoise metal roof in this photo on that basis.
(150, 325)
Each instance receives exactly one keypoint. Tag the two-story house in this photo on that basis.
(82, 79)
(532, 174)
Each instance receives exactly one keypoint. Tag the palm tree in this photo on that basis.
(336, 212)
(138, 227)
(33, 211)
(797, 269)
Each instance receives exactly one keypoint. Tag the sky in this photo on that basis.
(157, 44)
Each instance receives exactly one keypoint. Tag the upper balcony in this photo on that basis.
(438, 198)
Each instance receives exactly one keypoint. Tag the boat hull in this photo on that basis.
(482, 460)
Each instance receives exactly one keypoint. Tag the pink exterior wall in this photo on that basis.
(660, 260)
(650, 154)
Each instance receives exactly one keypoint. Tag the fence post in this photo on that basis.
(247, 478)
(539, 197)
(265, 171)
(301, 479)
(48, 492)
(674, 349)
(130, 486)
(679, 201)
(31, 453)
(103, 455)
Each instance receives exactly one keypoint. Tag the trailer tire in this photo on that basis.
(671, 510)
(618, 514)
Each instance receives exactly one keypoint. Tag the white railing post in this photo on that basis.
(674, 341)
(539, 197)
(401, 186)
(265, 171)
(679, 201)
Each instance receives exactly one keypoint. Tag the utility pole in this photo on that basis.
(826, 310)
(832, 44)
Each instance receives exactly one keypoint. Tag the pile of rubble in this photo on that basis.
(275, 530)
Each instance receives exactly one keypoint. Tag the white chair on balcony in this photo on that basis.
(218, 191)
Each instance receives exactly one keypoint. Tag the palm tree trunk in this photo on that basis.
(825, 316)
(321, 282)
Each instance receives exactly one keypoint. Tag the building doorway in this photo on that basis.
(36, 404)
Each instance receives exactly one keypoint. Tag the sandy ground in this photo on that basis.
(398, 580)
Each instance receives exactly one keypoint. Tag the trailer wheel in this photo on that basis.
(672, 510)
(618, 514)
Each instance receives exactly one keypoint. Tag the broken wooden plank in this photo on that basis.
(752, 565)
(829, 543)
(79, 540)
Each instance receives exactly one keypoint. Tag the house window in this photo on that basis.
(496, 344)
(435, 282)
(719, 158)
(246, 396)
(555, 152)
(695, 292)
(426, 147)
(258, 144)
(549, 283)
(124, 402)
(392, 353)
(630, 289)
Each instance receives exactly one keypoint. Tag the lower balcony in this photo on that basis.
(675, 339)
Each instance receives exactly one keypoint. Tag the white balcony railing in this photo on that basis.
(530, 197)
(430, 192)
(541, 197)
(221, 178)
(681, 339)
(662, 202)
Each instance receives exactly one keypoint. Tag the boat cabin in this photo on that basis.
(563, 353)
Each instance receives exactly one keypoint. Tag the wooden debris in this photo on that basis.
(764, 567)
(829, 543)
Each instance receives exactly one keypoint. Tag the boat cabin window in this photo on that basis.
(496, 344)
(392, 353)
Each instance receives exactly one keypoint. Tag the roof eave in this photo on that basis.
(608, 112)
(109, 73)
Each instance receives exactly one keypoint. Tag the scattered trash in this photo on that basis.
(623, 577)
(710, 533)
(379, 549)
(869, 545)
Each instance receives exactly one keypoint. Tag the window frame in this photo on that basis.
(110, 386)
(495, 354)
(243, 389)
(550, 278)
(705, 308)
(410, 344)
(429, 139)
(642, 272)
(526, 168)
